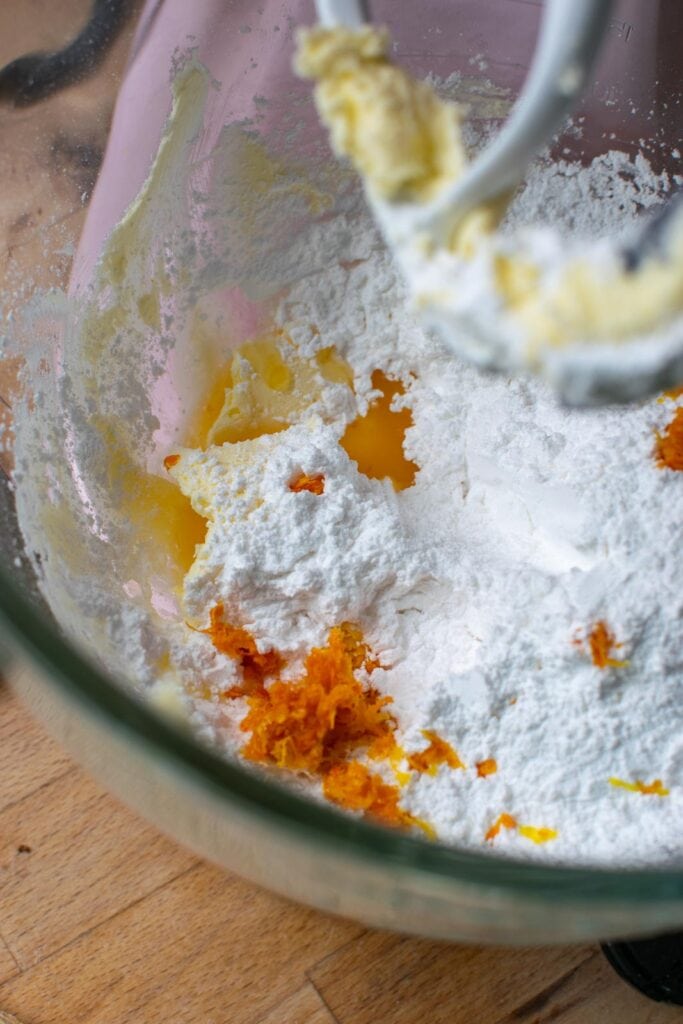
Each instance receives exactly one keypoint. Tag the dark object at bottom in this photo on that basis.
(653, 966)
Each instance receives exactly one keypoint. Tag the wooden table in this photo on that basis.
(102, 919)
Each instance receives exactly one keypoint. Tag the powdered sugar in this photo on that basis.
(286, 564)
(477, 587)
(571, 194)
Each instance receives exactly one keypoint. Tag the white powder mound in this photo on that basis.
(526, 525)
(601, 199)
(288, 565)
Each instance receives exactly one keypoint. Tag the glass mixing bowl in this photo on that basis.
(258, 828)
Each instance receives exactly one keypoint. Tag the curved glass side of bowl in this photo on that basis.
(203, 216)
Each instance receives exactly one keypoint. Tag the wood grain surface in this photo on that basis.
(102, 919)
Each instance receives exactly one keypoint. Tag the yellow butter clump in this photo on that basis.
(398, 134)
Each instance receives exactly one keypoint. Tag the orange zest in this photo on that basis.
(239, 644)
(310, 724)
(669, 444)
(170, 461)
(314, 723)
(672, 393)
(375, 441)
(654, 788)
(438, 752)
(315, 483)
(536, 835)
(502, 821)
(356, 647)
(602, 643)
(353, 786)
(487, 767)
(385, 748)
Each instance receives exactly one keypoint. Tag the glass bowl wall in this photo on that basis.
(259, 829)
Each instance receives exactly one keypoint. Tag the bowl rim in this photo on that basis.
(79, 679)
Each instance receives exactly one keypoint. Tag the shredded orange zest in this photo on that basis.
(375, 441)
(503, 821)
(672, 393)
(170, 461)
(537, 835)
(487, 767)
(601, 642)
(655, 788)
(438, 752)
(356, 647)
(669, 445)
(239, 644)
(315, 484)
(310, 724)
(428, 829)
(353, 786)
(313, 723)
(385, 748)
